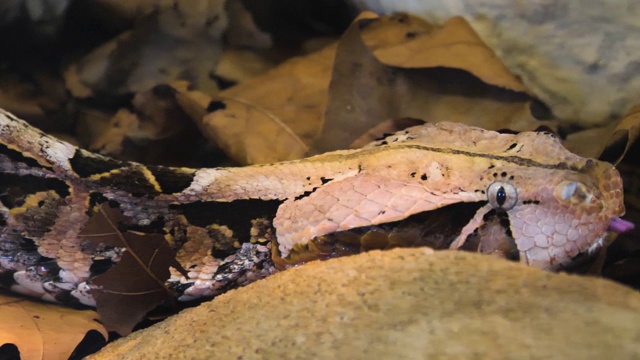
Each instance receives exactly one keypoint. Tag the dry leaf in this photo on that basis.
(276, 116)
(361, 93)
(609, 143)
(281, 110)
(135, 285)
(622, 137)
(589, 142)
(259, 137)
(239, 65)
(365, 92)
(110, 140)
(158, 132)
(44, 331)
(453, 45)
(100, 228)
(194, 103)
(34, 97)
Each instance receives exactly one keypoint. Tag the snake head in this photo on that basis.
(561, 215)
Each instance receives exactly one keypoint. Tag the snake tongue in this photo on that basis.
(620, 226)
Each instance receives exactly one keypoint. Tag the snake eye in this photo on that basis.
(502, 195)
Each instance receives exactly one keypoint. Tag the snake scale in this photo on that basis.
(523, 197)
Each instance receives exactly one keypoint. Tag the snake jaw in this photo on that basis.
(472, 225)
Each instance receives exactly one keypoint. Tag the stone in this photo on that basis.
(402, 304)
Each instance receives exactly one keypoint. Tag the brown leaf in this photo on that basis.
(259, 137)
(364, 92)
(44, 331)
(135, 285)
(456, 77)
(608, 143)
(109, 140)
(588, 142)
(100, 229)
(453, 45)
(239, 65)
(194, 103)
(361, 92)
(273, 116)
(623, 137)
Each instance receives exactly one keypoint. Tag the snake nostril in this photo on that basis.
(568, 190)
(576, 192)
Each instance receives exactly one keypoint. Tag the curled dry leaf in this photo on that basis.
(285, 103)
(41, 330)
(609, 143)
(259, 137)
(623, 137)
(453, 45)
(365, 91)
(247, 133)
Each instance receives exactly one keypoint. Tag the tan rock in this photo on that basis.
(402, 304)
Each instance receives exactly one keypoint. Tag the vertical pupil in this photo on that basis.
(501, 196)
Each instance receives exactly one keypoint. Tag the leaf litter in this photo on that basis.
(384, 74)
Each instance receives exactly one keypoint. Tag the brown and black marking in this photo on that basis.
(172, 180)
(86, 164)
(237, 215)
(16, 156)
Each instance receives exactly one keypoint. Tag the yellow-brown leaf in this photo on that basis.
(44, 331)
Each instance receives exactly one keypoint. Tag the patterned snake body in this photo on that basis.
(524, 197)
